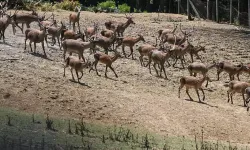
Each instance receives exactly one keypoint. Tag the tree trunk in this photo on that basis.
(249, 13)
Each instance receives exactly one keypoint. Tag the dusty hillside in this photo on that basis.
(34, 84)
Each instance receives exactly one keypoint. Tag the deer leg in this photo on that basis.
(34, 47)
(81, 74)
(238, 76)
(82, 57)
(123, 47)
(3, 35)
(132, 51)
(30, 47)
(228, 96)
(179, 92)
(175, 61)
(113, 71)
(106, 70)
(182, 62)
(141, 60)
(25, 41)
(95, 64)
(58, 41)
(187, 91)
(71, 70)
(192, 57)
(44, 49)
(243, 96)
(203, 94)
(77, 76)
(163, 68)
(46, 40)
(218, 74)
(195, 74)
(78, 25)
(231, 96)
(197, 92)
(155, 69)
(74, 26)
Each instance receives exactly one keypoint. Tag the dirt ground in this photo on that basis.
(33, 84)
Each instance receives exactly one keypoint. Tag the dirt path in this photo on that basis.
(136, 98)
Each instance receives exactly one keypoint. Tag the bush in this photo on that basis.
(109, 4)
(67, 5)
(46, 7)
(124, 8)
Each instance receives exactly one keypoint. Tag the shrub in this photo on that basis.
(124, 8)
(46, 7)
(67, 5)
(109, 4)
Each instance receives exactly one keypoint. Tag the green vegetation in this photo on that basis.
(124, 8)
(20, 130)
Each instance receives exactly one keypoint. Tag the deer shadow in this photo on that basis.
(201, 103)
(82, 84)
(41, 56)
(4, 43)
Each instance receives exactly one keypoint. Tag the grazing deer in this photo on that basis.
(70, 34)
(105, 59)
(130, 42)
(197, 67)
(36, 36)
(228, 68)
(27, 19)
(74, 18)
(76, 46)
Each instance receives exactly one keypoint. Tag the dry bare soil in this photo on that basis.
(33, 84)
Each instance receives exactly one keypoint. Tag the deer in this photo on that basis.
(171, 38)
(163, 32)
(105, 59)
(228, 68)
(195, 52)
(197, 67)
(195, 83)
(119, 27)
(4, 23)
(247, 92)
(36, 36)
(104, 42)
(237, 87)
(108, 33)
(90, 31)
(130, 42)
(159, 57)
(245, 69)
(178, 52)
(55, 32)
(74, 18)
(70, 34)
(144, 50)
(76, 46)
(75, 64)
(47, 23)
(26, 19)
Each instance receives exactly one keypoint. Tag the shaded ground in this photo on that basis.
(137, 98)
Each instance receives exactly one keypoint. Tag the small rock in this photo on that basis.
(7, 95)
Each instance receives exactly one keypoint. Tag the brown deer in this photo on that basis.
(74, 18)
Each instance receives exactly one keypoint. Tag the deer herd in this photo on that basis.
(172, 46)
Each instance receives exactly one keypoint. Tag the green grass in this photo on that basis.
(24, 131)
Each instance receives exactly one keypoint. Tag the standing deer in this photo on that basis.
(74, 18)
(36, 36)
